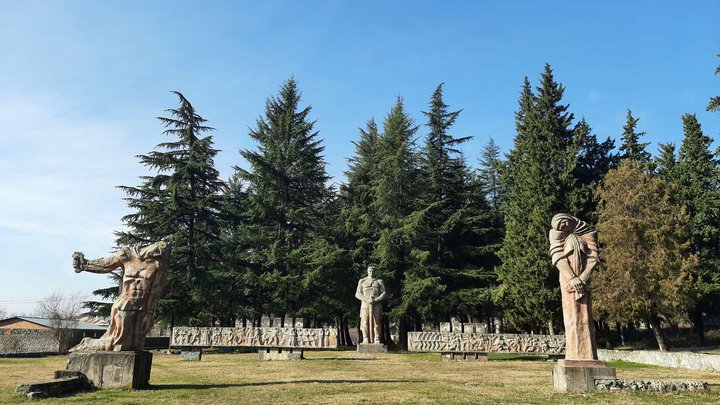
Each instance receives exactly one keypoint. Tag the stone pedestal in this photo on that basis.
(113, 369)
(191, 354)
(371, 348)
(580, 375)
(456, 356)
(279, 354)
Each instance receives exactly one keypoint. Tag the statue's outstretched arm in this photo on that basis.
(100, 266)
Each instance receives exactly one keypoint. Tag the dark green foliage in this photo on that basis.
(697, 176)
(631, 147)
(359, 222)
(594, 160)
(287, 202)
(452, 230)
(181, 204)
(395, 197)
(540, 182)
(490, 175)
(665, 162)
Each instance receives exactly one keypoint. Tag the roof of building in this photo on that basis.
(50, 323)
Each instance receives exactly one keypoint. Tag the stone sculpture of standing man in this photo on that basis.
(370, 291)
(143, 281)
(574, 251)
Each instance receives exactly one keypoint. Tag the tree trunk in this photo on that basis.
(696, 316)
(403, 329)
(655, 325)
(551, 329)
(346, 332)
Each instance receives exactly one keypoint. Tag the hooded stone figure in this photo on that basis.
(574, 251)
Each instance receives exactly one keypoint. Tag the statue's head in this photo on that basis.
(370, 271)
(564, 222)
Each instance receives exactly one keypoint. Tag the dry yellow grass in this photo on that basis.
(346, 377)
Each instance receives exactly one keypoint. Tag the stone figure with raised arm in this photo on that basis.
(370, 291)
(574, 251)
(143, 281)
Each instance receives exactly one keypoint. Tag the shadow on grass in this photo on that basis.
(260, 384)
(345, 358)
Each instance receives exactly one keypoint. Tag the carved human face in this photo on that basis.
(370, 271)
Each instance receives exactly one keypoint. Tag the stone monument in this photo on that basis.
(370, 291)
(574, 251)
(117, 358)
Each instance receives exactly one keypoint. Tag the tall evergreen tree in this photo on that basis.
(595, 159)
(287, 197)
(395, 196)
(631, 147)
(180, 203)
(697, 175)
(359, 220)
(490, 175)
(666, 161)
(540, 183)
(451, 271)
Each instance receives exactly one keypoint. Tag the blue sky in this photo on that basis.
(81, 83)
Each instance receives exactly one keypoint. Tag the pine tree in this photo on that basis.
(359, 221)
(666, 162)
(287, 198)
(714, 104)
(395, 196)
(631, 147)
(595, 159)
(490, 175)
(359, 228)
(540, 184)
(647, 266)
(180, 203)
(451, 268)
(697, 175)
(238, 281)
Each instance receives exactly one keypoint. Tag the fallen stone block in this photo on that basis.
(55, 387)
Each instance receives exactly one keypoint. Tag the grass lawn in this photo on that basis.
(347, 377)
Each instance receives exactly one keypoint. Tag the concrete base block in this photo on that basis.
(580, 375)
(61, 385)
(279, 354)
(113, 369)
(371, 348)
(191, 355)
(457, 356)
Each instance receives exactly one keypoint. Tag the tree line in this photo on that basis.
(449, 240)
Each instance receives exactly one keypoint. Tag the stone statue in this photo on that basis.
(143, 281)
(370, 291)
(574, 251)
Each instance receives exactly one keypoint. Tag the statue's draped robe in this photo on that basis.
(574, 248)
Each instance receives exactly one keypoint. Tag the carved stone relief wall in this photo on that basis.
(305, 338)
(485, 343)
